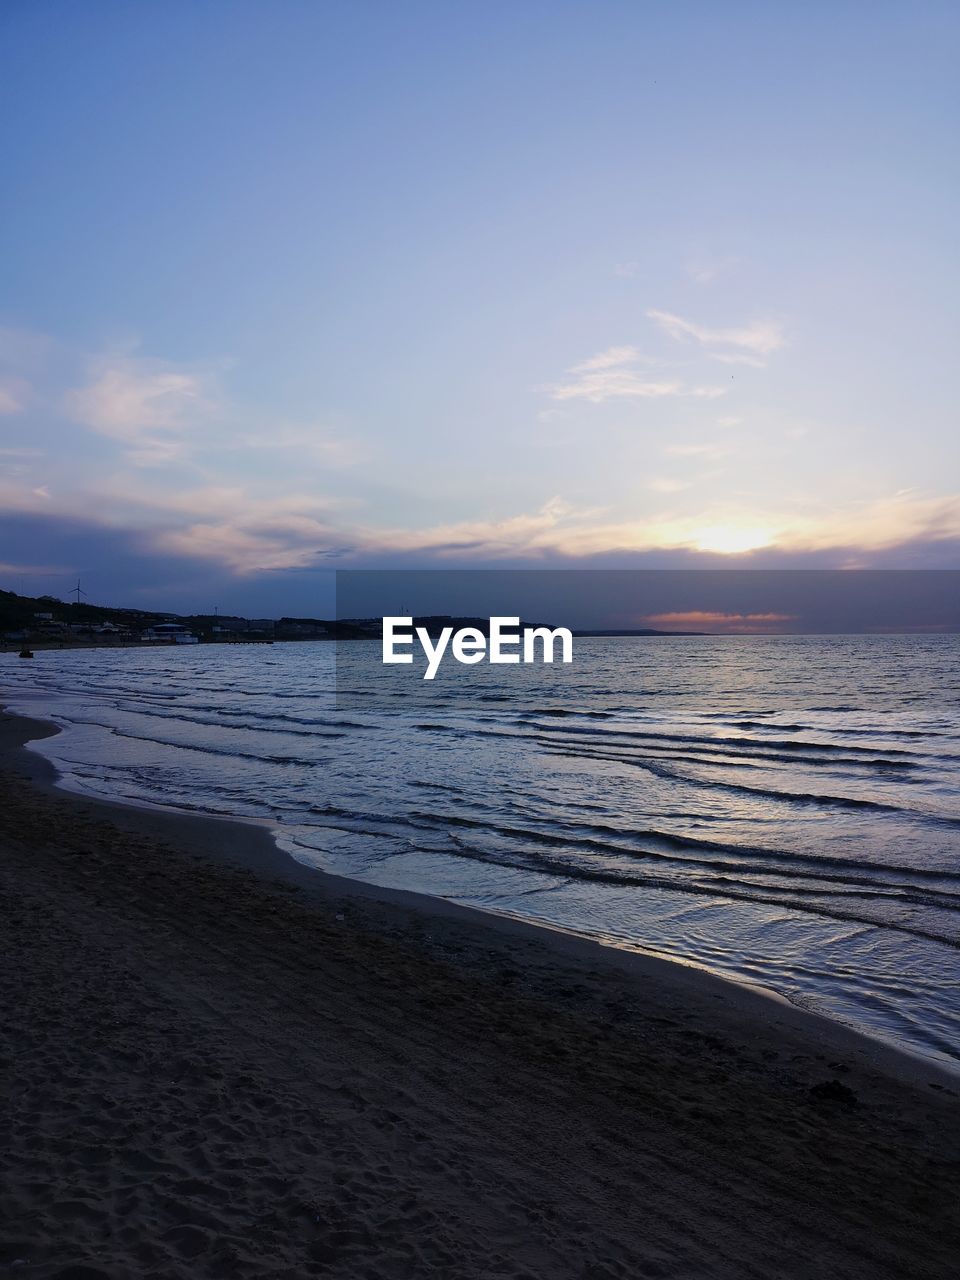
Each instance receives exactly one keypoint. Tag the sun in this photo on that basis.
(731, 540)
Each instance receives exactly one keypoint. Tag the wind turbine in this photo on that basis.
(77, 590)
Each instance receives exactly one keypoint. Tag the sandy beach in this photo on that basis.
(218, 1063)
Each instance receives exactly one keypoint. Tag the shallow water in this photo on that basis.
(784, 810)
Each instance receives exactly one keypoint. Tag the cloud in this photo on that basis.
(249, 535)
(247, 527)
(870, 530)
(881, 524)
(610, 359)
(530, 533)
(615, 374)
(244, 551)
(126, 401)
(270, 558)
(874, 535)
(735, 623)
(622, 372)
(148, 405)
(246, 531)
(751, 341)
(161, 413)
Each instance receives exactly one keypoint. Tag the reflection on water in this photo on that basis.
(781, 809)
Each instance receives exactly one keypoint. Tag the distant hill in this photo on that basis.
(49, 619)
(49, 615)
(18, 612)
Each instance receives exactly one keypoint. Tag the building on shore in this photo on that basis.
(169, 633)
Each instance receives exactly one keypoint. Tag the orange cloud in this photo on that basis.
(737, 623)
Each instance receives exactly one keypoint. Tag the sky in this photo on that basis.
(304, 286)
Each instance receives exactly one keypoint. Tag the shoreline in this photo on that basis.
(222, 1063)
(268, 859)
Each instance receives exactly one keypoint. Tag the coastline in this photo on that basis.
(253, 846)
(543, 1105)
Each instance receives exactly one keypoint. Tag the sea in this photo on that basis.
(781, 810)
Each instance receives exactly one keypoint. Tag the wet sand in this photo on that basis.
(219, 1063)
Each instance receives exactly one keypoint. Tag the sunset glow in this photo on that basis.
(729, 540)
(470, 303)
